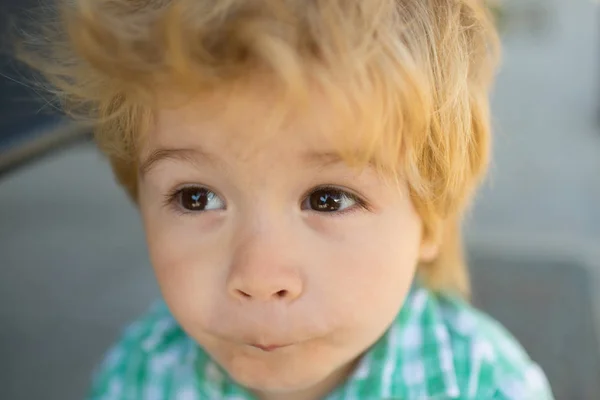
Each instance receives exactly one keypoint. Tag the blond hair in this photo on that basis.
(417, 73)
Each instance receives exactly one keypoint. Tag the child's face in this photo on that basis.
(273, 243)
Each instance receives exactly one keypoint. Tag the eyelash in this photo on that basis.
(361, 204)
(172, 201)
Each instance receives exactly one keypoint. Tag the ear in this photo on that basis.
(429, 250)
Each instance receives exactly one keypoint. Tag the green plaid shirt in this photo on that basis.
(438, 348)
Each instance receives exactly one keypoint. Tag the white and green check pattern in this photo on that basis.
(438, 348)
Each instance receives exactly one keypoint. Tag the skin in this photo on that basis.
(253, 263)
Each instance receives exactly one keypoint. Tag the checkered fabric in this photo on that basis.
(438, 348)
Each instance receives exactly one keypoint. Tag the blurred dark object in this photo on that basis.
(546, 296)
(29, 127)
(497, 10)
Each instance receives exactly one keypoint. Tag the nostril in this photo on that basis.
(244, 295)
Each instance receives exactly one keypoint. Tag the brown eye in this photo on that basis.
(329, 200)
(199, 199)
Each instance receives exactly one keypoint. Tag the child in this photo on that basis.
(301, 167)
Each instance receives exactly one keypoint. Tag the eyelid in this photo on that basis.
(181, 187)
(335, 188)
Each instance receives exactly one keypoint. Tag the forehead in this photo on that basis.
(259, 117)
(252, 119)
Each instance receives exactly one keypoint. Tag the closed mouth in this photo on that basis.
(271, 347)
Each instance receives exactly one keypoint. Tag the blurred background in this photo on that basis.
(74, 270)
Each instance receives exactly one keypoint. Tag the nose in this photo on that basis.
(264, 292)
(265, 272)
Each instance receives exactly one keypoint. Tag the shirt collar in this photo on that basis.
(413, 360)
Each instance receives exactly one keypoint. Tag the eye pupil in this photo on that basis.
(326, 200)
(194, 199)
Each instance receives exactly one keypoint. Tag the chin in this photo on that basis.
(276, 384)
(284, 379)
(278, 374)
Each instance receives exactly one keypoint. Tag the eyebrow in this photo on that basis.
(191, 156)
(200, 156)
(322, 159)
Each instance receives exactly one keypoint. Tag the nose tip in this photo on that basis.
(264, 268)
(278, 285)
(281, 294)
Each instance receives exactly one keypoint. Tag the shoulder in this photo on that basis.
(142, 362)
(484, 360)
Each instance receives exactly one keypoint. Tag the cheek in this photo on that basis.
(372, 271)
(186, 271)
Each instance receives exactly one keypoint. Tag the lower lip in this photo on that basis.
(269, 349)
